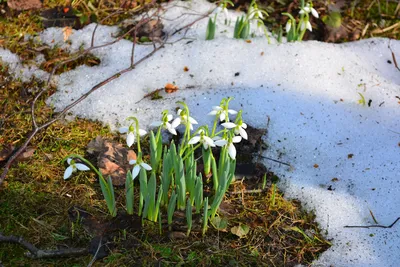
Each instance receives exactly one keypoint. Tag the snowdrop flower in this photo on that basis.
(138, 164)
(231, 147)
(306, 24)
(222, 8)
(238, 128)
(288, 25)
(73, 167)
(165, 123)
(184, 119)
(307, 9)
(222, 112)
(131, 132)
(202, 138)
(255, 13)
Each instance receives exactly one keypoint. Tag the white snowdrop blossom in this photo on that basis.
(255, 13)
(130, 134)
(232, 148)
(165, 123)
(288, 25)
(222, 112)
(138, 165)
(223, 9)
(307, 9)
(183, 119)
(202, 138)
(305, 24)
(73, 167)
(238, 128)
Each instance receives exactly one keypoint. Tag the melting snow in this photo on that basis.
(308, 90)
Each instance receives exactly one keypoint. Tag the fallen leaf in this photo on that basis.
(219, 223)
(248, 41)
(67, 31)
(241, 230)
(185, 69)
(6, 152)
(350, 156)
(262, 53)
(170, 88)
(316, 165)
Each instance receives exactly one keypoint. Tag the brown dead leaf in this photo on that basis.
(112, 159)
(350, 156)
(6, 152)
(170, 88)
(248, 41)
(316, 165)
(185, 69)
(27, 154)
(67, 31)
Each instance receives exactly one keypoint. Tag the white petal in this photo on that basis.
(68, 172)
(179, 111)
(205, 145)
(217, 108)
(209, 141)
(123, 129)
(156, 124)
(221, 142)
(232, 151)
(169, 117)
(228, 125)
(130, 139)
(193, 121)
(237, 139)
(243, 125)
(172, 130)
(260, 15)
(69, 161)
(213, 113)
(132, 161)
(135, 171)
(288, 25)
(308, 25)
(225, 10)
(303, 25)
(314, 13)
(302, 12)
(222, 116)
(231, 111)
(191, 126)
(142, 132)
(194, 140)
(146, 166)
(243, 133)
(82, 167)
(176, 122)
(307, 8)
(217, 10)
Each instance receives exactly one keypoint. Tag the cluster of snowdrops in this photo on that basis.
(171, 180)
(295, 28)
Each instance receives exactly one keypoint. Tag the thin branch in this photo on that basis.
(36, 253)
(373, 225)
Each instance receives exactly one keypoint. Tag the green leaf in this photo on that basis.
(129, 186)
(210, 32)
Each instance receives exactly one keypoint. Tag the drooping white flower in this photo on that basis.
(288, 25)
(165, 123)
(73, 167)
(255, 13)
(130, 134)
(305, 24)
(218, 141)
(138, 165)
(222, 112)
(183, 119)
(222, 8)
(238, 128)
(202, 138)
(307, 9)
(232, 148)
